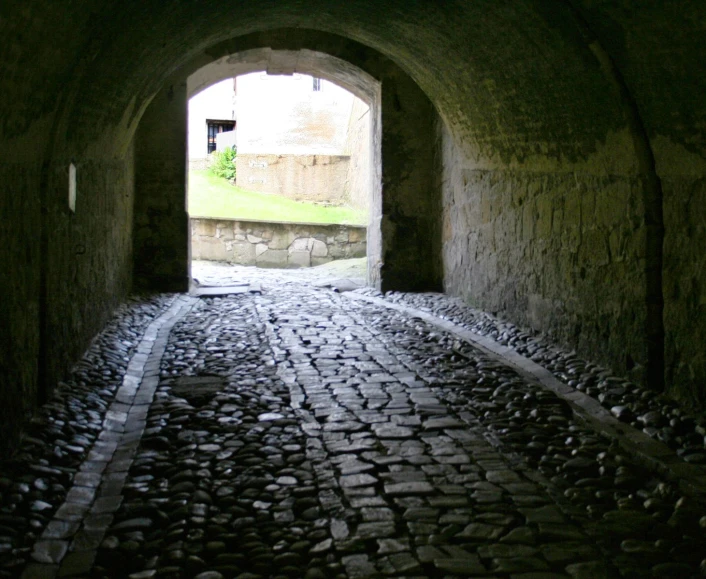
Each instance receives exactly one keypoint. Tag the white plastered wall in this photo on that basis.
(216, 102)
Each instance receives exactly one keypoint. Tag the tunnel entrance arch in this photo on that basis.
(404, 228)
(534, 133)
(321, 66)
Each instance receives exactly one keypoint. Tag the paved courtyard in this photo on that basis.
(290, 430)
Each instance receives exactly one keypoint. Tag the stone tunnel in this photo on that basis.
(539, 178)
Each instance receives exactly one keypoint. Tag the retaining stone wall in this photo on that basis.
(274, 244)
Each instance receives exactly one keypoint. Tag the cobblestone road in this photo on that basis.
(296, 432)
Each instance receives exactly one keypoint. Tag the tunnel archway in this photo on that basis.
(340, 72)
(454, 183)
(543, 197)
(479, 188)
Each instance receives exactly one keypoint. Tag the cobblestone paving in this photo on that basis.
(36, 478)
(654, 414)
(299, 433)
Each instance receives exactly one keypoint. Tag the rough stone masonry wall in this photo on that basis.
(161, 222)
(62, 282)
(314, 178)
(559, 252)
(88, 261)
(685, 280)
(20, 302)
(271, 244)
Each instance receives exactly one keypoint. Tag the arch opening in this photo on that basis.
(350, 173)
(402, 235)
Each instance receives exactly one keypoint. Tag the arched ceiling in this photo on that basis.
(514, 81)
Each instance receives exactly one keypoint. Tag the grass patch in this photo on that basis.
(211, 196)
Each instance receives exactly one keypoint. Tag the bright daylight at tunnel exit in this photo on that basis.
(285, 180)
(318, 290)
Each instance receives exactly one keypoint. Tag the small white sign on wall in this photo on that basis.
(72, 188)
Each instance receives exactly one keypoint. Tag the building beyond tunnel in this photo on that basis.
(544, 160)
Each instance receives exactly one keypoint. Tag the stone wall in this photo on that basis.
(314, 178)
(273, 244)
(161, 243)
(560, 252)
(410, 224)
(20, 305)
(88, 259)
(685, 279)
(358, 146)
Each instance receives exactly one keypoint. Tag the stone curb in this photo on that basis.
(656, 455)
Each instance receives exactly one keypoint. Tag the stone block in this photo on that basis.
(207, 227)
(243, 253)
(210, 249)
(356, 234)
(260, 248)
(319, 249)
(225, 231)
(358, 249)
(544, 217)
(594, 248)
(273, 258)
(337, 251)
(301, 244)
(299, 259)
(281, 238)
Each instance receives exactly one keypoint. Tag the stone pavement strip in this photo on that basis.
(415, 489)
(299, 433)
(69, 542)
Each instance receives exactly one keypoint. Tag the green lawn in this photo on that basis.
(211, 196)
